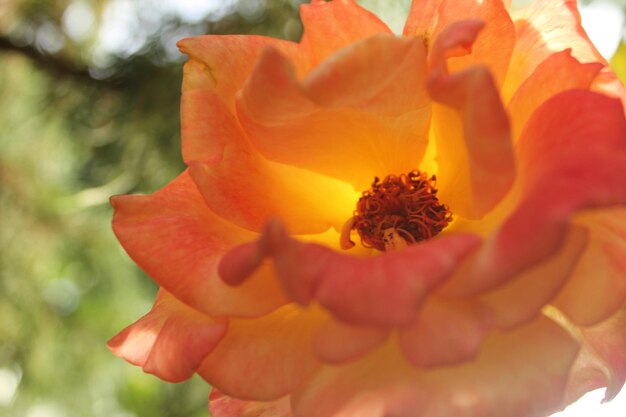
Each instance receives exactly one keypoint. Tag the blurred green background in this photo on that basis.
(89, 97)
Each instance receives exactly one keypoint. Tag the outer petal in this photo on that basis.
(377, 133)
(265, 358)
(222, 64)
(601, 362)
(178, 242)
(559, 72)
(600, 277)
(544, 28)
(222, 405)
(383, 290)
(329, 26)
(573, 156)
(170, 341)
(517, 374)
(472, 134)
(492, 48)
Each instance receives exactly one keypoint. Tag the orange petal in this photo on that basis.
(222, 64)
(377, 131)
(242, 187)
(222, 405)
(337, 342)
(597, 288)
(170, 341)
(601, 362)
(523, 296)
(472, 134)
(178, 242)
(330, 26)
(544, 28)
(445, 332)
(517, 374)
(559, 72)
(492, 48)
(265, 358)
(572, 156)
(383, 290)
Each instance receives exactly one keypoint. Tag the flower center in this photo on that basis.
(398, 211)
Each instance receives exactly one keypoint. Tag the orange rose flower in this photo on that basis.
(373, 225)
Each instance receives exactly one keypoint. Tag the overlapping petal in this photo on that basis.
(178, 241)
(498, 383)
(266, 358)
(170, 341)
(330, 26)
(471, 128)
(377, 291)
(301, 124)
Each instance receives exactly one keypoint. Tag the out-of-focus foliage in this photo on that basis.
(89, 98)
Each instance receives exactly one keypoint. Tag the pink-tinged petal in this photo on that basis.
(492, 48)
(597, 288)
(559, 72)
(601, 362)
(178, 241)
(377, 132)
(330, 26)
(337, 342)
(544, 28)
(572, 156)
(523, 296)
(222, 64)
(222, 405)
(170, 341)
(383, 290)
(472, 132)
(266, 358)
(517, 374)
(446, 332)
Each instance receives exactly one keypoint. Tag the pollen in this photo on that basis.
(398, 211)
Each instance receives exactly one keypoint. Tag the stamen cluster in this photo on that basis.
(405, 203)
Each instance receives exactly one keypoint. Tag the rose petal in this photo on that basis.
(559, 72)
(330, 26)
(337, 342)
(544, 28)
(573, 156)
(600, 277)
(266, 358)
(445, 332)
(517, 374)
(287, 125)
(222, 405)
(523, 297)
(601, 362)
(383, 290)
(492, 48)
(170, 341)
(178, 242)
(472, 134)
(222, 64)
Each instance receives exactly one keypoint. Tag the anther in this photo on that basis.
(398, 211)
